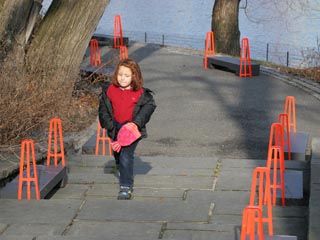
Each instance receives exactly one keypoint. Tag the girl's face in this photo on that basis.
(124, 77)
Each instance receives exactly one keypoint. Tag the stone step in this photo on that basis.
(177, 198)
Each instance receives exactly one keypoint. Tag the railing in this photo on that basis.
(278, 53)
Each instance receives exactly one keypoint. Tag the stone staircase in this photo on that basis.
(174, 198)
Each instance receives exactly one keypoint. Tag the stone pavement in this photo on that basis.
(193, 172)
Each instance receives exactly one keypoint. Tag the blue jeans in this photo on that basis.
(125, 160)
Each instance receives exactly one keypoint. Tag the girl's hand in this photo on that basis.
(116, 146)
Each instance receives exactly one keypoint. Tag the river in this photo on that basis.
(288, 29)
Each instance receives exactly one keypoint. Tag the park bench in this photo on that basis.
(50, 177)
(107, 40)
(230, 64)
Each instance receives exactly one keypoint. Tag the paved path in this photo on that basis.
(193, 173)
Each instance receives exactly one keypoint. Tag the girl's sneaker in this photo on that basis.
(125, 193)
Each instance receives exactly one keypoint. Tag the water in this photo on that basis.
(285, 30)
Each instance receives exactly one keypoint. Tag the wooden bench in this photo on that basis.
(107, 40)
(230, 64)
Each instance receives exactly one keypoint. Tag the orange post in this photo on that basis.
(102, 136)
(264, 198)
(209, 48)
(251, 215)
(117, 32)
(245, 60)
(55, 128)
(276, 137)
(290, 110)
(27, 149)
(276, 158)
(95, 58)
(284, 121)
(123, 52)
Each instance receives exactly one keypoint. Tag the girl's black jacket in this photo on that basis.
(141, 113)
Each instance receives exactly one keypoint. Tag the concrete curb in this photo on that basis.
(311, 87)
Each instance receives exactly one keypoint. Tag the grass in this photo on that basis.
(312, 73)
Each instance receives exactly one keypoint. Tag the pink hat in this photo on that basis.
(127, 134)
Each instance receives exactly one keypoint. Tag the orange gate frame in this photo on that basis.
(123, 53)
(56, 128)
(264, 198)
(283, 119)
(117, 32)
(27, 149)
(245, 60)
(209, 48)
(276, 137)
(102, 136)
(95, 58)
(248, 223)
(290, 110)
(276, 158)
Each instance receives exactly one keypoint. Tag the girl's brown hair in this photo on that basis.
(137, 80)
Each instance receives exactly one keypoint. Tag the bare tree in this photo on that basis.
(61, 39)
(40, 59)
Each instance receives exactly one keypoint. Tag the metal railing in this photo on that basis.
(282, 54)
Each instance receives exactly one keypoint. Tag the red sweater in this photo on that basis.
(123, 102)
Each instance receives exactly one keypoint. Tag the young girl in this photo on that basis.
(125, 101)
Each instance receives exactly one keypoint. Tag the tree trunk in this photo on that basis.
(59, 45)
(225, 26)
(38, 67)
(13, 18)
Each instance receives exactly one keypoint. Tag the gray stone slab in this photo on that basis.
(174, 182)
(298, 146)
(315, 150)
(85, 238)
(89, 161)
(108, 190)
(230, 202)
(173, 162)
(15, 237)
(315, 176)
(8, 167)
(217, 235)
(290, 212)
(283, 229)
(135, 210)
(293, 184)
(234, 179)
(314, 210)
(227, 163)
(71, 191)
(200, 235)
(116, 230)
(85, 175)
(293, 227)
(42, 211)
(35, 229)
(253, 163)
(315, 161)
(175, 171)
